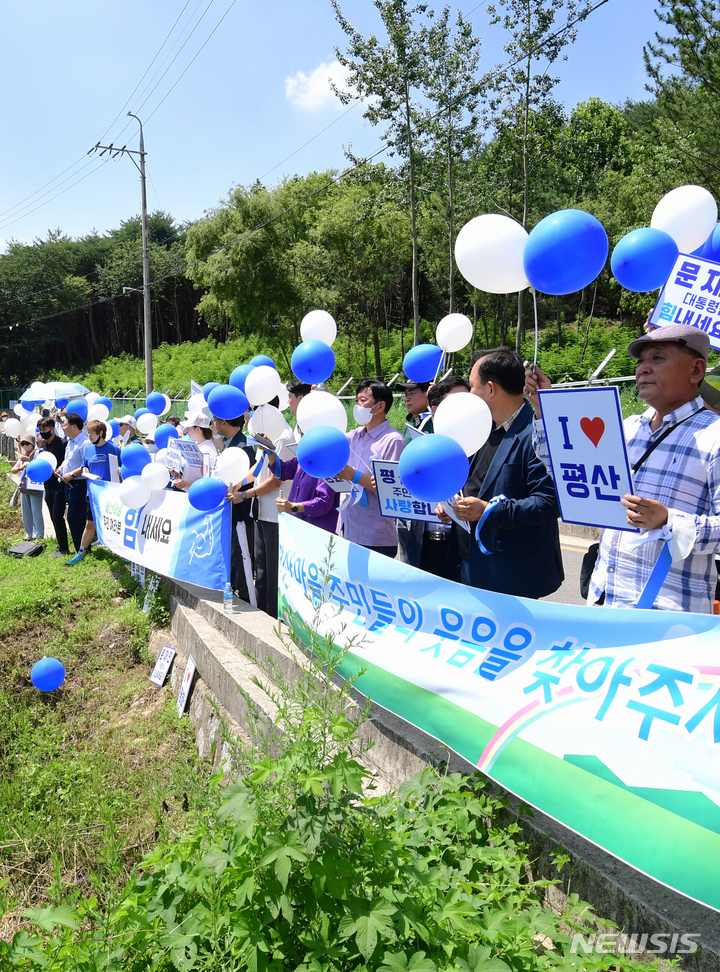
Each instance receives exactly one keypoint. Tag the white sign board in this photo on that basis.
(339, 485)
(181, 451)
(691, 296)
(185, 687)
(162, 666)
(395, 501)
(588, 455)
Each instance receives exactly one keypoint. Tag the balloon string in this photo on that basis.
(536, 327)
(440, 366)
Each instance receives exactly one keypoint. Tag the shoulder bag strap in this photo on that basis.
(657, 442)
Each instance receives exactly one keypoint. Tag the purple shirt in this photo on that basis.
(363, 524)
(320, 503)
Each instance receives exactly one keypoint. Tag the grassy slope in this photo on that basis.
(93, 774)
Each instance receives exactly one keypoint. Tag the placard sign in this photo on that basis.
(691, 296)
(396, 501)
(162, 666)
(181, 451)
(588, 455)
(185, 687)
(338, 485)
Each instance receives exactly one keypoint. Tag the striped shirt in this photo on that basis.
(683, 473)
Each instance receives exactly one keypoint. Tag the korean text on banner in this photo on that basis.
(588, 455)
(691, 296)
(608, 721)
(168, 535)
(394, 499)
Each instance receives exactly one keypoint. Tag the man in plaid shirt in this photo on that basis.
(678, 485)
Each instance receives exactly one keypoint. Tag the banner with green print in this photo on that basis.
(606, 720)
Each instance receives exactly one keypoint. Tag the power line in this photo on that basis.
(62, 191)
(346, 112)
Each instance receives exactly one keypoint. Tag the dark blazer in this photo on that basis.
(521, 532)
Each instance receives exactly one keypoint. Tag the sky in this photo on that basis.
(229, 91)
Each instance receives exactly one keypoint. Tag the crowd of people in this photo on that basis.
(674, 447)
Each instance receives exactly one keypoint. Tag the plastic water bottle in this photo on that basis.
(228, 598)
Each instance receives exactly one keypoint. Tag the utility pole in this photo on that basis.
(147, 334)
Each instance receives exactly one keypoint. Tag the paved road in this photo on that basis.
(573, 550)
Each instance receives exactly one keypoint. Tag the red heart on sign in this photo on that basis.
(594, 429)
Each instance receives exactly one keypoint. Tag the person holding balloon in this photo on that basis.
(70, 473)
(198, 426)
(95, 463)
(509, 499)
(31, 493)
(374, 438)
(50, 441)
(242, 541)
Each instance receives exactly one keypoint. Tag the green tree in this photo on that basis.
(390, 79)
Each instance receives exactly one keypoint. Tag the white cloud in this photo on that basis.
(313, 91)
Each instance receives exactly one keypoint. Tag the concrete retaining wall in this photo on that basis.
(220, 645)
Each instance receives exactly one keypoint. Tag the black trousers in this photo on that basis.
(266, 566)
(76, 495)
(56, 502)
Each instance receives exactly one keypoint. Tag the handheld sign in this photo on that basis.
(185, 687)
(162, 665)
(395, 501)
(691, 296)
(180, 451)
(588, 455)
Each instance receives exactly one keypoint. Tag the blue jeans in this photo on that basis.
(32, 515)
(465, 573)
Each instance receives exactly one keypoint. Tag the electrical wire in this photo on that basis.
(62, 191)
(347, 112)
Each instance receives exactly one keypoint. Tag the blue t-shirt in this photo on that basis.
(95, 458)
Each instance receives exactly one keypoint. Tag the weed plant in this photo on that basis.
(303, 867)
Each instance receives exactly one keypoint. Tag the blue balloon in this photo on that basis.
(47, 674)
(226, 402)
(710, 250)
(208, 387)
(113, 428)
(565, 252)
(135, 457)
(141, 411)
(27, 404)
(39, 471)
(313, 362)
(104, 400)
(79, 406)
(643, 259)
(155, 403)
(323, 451)
(61, 402)
(127, 473)
(433, 467)
(421, 363)
(238, 376)
(207, 494)
(262, 359)
(163, 434)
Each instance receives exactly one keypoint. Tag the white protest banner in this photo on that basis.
(395, 501)
(167, 535)
(606, 720)
(162, 666)
(588, 455)
(185, 687)
(691, 296)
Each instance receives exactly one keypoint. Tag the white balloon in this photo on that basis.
(489, 254)
(267, 420)
(13, 428)
(133, 493)
(232, 465)
(318, 325)
(47, 457)
(91, 398)
(155, 476)
(464, 418)
(20, 411)
(688, 214)
(284, 398)
(454, 332)
(196, 403)
(262, 385)
(147, 423)
(98, 413)
(321, 408)
(161, 456)
(168, 405)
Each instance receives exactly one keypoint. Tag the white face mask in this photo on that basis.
(362, 414)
